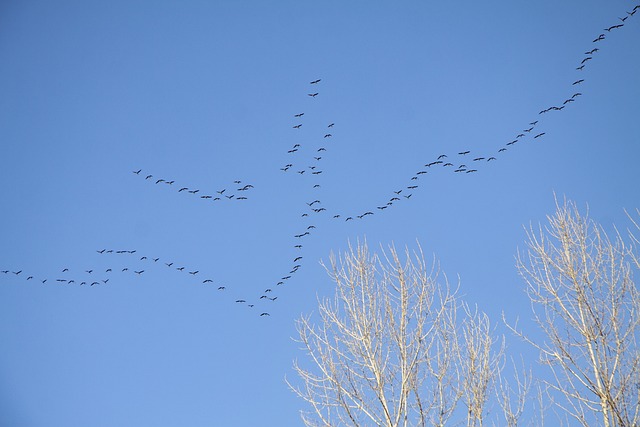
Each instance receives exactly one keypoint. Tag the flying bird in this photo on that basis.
(315, 81)
(137, 172)
(464, 152)
(149, 176)
(539, 135)
(331, 125)
(298, 126)
(299, 115)
(139, 272)
(600, 37)
(265, 314)
(313, 95)
(588, 58)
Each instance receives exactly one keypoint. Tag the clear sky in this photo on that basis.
(204, 93)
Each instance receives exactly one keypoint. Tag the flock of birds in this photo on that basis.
(461, 162)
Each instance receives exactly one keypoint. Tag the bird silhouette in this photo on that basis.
(315, 81)
(299, 115)
(539, 135)
(313, 95)
(264, 314)
(137, 172)
(464, 152)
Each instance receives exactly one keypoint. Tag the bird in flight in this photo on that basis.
(539, 135)
(315, 82)
(464, 152)
(331, 125)
(299, 115)
(137, 172)
(313, 95)
(139, 272)
(298, 126)
(600, 37)
(265, 314)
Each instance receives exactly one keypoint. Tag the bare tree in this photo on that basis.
(585, 302)
(388, 350)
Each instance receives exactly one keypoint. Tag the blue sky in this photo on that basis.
(205, 94)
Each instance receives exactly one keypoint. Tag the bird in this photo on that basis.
(534, 123)
(501, 150)
(64, 270)
(207, 281)
(441, 156)
(105, 281)
(580, 68)
(491, 158)
(348, 218)
(576, 95)
(125, 269)
(194, 272)
(89, 271)
(322, 149)
(168, 264)
(156, 259)
(464, 152)
(600, 37)
(588, 58)
(180, 268)
(30, 277)
(298, 246)
(137, 172)
(313, 95)
(183, 189)
(139, 272)
(102, 251)
(328, 135)
(169, 182)
(577, 82)
(264, 314)
(471, 170)
(298, 126)
(318, 158)
(240, 300)
(512, 142)
(592, 51)
(331, 125)
(148, 176)
(477, 159)
(568, 100)
(194, 191)
(315, 81)
(539, 135)
(299, 115)
(159, 181)
(221, 288)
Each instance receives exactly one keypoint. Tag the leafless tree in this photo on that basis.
(389, 350)
(584, 300)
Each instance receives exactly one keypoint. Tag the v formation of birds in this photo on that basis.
(459, 162)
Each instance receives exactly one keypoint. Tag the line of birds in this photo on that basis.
(225, 193)
(99, 277)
